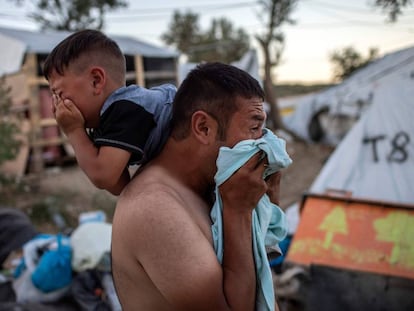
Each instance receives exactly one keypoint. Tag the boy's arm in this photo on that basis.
(106, 167)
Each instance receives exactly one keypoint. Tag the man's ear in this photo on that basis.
(204, 127)
(98, 79)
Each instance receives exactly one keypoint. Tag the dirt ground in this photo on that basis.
(308, 159)
(79, 195)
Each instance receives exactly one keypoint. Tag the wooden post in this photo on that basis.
(30, 69)
(139, 70)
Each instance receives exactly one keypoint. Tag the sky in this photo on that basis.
(321, 27)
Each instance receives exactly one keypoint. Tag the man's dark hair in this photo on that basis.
(213, 88)
(86, 47)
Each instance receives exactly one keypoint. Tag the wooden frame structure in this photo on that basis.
(31, 97)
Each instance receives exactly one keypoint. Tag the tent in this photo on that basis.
(375, 160)
(328, 115)
(359, 242)
(11, 57)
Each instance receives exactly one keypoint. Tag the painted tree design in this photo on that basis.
(397, 228)
(334, 223)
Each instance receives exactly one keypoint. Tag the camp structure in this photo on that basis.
(356, 222)
(375, 160)
(353, 254)
(22, 54)
(326, 116)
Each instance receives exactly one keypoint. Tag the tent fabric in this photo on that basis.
(349, 99)
(11, 58)
(375, 160)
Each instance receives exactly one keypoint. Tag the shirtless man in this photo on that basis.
(162, 250)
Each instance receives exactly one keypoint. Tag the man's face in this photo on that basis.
(247, 122)
(78, 87)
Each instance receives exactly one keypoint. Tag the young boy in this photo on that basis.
(126, 125)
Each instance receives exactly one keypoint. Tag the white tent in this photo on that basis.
(345, 103)
(11, 55)
(375, 160)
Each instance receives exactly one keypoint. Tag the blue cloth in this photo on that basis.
(268, 221)
(284, 246)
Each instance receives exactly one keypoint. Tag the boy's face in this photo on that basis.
(79, 88)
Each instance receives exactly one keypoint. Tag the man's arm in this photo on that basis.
(273, 191)
(106, 167)
(240, 195)
(273, 187)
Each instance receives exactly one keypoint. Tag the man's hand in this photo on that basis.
(67, 115)
(246, 186)
(273, 187)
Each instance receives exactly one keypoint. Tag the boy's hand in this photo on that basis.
(67, 115)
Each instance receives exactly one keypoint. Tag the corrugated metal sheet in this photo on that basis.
(44, 42)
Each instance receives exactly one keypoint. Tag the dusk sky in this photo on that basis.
(321, 28)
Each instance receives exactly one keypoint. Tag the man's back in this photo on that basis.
(154, 209)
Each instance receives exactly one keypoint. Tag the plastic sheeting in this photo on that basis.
(348, 101)
(376, 158)
(11, 55)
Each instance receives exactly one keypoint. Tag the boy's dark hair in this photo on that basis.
(92, 45)
(213, 88)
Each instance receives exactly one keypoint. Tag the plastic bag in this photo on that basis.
(45, 272)
(91, 245)
(54, 270)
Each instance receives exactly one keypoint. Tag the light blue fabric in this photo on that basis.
(269, 221)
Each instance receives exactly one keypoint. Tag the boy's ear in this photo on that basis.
(204, 127)
(98, 79)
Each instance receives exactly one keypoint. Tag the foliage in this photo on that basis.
(392, 7)
(348, 60)
(72, 15)
(184, 31)
(274, 14)
(9, 145)
(221, 42)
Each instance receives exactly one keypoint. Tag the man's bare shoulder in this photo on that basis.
(148, 192)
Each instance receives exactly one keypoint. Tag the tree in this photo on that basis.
(183, 32)
(348, 60)
(392, 7)
(72, 15)
(221, 42)
(274, 14)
